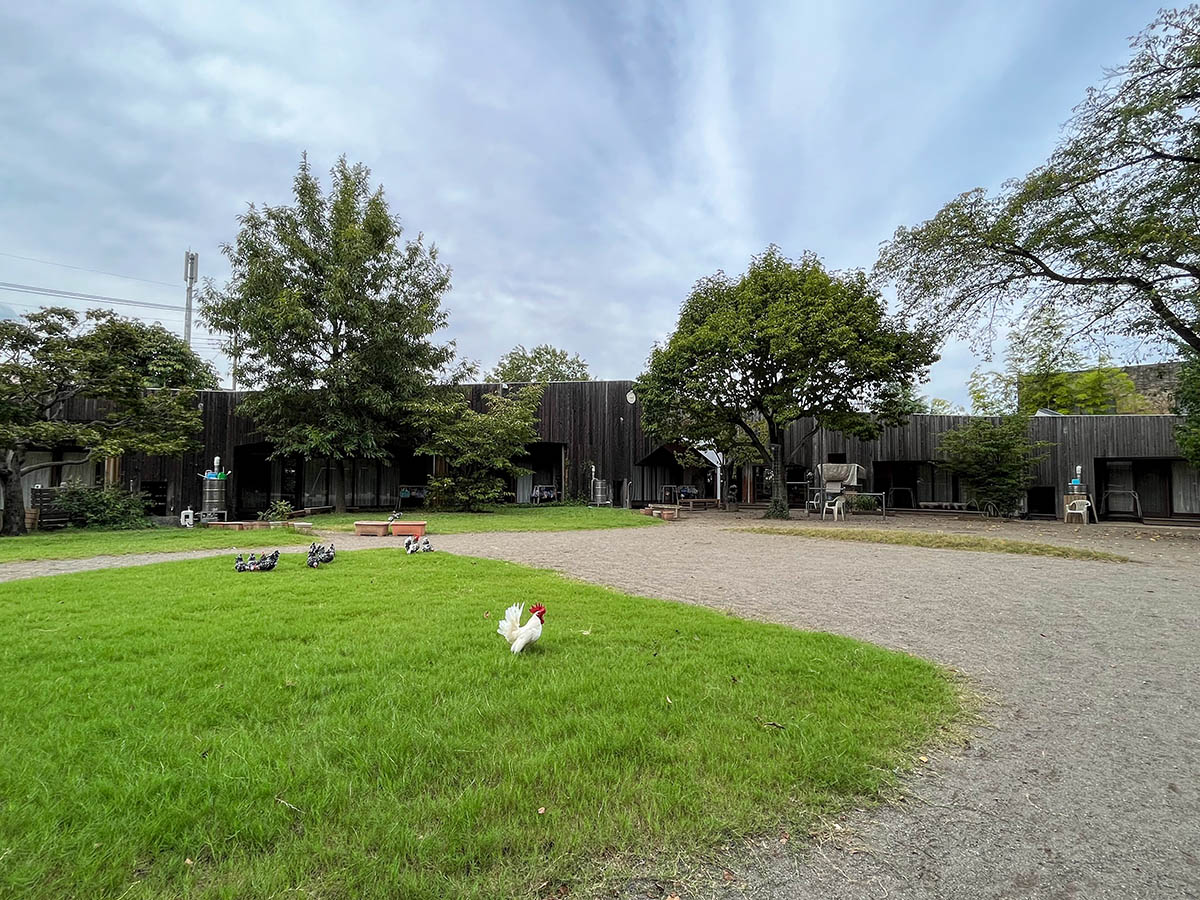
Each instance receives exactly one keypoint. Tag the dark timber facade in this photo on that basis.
(598, 424)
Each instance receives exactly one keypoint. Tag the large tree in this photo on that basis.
(786, 340)
(479, 450)
(330, 318)
(542, 364)
(1106, 233)
(135, 383)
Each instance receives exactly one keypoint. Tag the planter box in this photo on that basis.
(371, 529)
(413, 529)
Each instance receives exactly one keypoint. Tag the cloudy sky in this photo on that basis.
(579, 165)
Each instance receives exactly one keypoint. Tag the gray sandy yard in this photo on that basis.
(1084, 781)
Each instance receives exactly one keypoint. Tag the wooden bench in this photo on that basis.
(694, 503)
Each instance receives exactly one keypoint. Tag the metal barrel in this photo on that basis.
(213, 497)
(601, 493)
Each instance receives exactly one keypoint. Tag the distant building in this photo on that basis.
(1158, 383)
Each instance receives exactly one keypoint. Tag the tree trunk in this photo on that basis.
(14, 496)
(338, 469)
(779, 499)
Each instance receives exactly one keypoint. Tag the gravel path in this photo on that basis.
(1087, 782)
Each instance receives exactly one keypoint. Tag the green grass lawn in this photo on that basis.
(938, 541)
(502, 518)
(80, 543)
(361, 731)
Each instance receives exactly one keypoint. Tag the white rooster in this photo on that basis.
(520, 636)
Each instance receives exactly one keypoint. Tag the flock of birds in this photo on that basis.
(414, 545)
(264, 563)
(518, 636)
(318, 555)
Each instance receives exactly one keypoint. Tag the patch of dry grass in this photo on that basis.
(940, 541)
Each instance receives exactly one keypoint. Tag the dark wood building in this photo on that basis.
(595, 427)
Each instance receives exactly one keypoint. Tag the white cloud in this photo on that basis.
(579, 165)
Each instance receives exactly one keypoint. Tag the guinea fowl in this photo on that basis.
(264, 563)
(319, 555)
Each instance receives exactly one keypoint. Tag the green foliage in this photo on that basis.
(57, 356)
(542, 364)
(994, 459)
(361, 731)
(937, 406)
(1187, 400)
(784, 341)
(478, 449)
(278, 511)
(331, 318)
(863, 503)
(1103, 234)
(103, 507)
(1045, 370)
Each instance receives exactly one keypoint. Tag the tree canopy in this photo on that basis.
(142, 378)
(1106, 233)
(1046, 371)
(479, 450)
(784, 341)
(331, 319)
(544, 363)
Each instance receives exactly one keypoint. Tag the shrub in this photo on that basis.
(103, 507)
(994, 459)
(862, 503)
(278, 511)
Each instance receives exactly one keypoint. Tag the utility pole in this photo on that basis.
(191, 265)
(236, 355)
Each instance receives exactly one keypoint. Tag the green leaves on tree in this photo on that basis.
(785, 341)
(331, 318)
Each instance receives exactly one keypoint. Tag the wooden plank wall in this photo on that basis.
(1076, 440)
(596, 423)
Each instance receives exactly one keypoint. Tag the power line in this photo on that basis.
(47, 262)
(74, 295)
(142, 317)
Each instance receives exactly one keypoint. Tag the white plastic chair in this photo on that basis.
(1078, 508)
(835, 505)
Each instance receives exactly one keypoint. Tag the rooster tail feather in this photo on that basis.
(511, 623)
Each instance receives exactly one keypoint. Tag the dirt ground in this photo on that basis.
(1085, 781)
